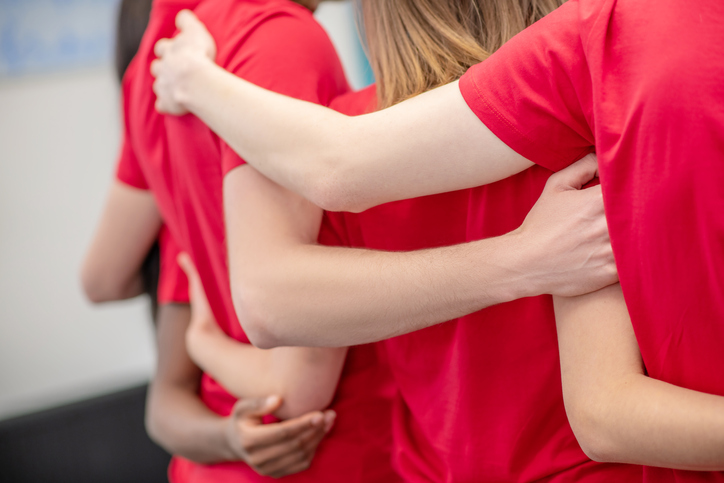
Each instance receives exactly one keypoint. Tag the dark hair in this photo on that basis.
(132, 22)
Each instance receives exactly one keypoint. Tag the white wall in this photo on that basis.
(58, 138)
(58, 141)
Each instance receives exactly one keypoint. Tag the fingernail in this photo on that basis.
(272, 400)
(317, 419)
(330, 416)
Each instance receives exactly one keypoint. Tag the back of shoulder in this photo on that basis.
(245, 23)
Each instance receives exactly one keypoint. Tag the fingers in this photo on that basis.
(161, 47)
(266, 455)
(186, 20)
(258, 436)
(255, 408)
(577, 174)
(295, 461)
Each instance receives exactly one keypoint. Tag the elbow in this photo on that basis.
(256, 316)
(338, 188)
(94, 286)
(151, 419)
(588, 424)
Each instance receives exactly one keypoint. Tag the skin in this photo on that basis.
(176, 417)
(222, 356)
(182, 424)
(273, 257)
(343, 163)
(111, 268)
(290, 291)
(617, 413)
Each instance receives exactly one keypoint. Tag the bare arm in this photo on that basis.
(179, 421)
(305, 378)
(175, 416)
(290, 291)
(339, 163)
(617, 413)
(128, 227)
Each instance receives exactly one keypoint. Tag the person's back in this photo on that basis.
(480, 396)
(639, 82)
(278, 44)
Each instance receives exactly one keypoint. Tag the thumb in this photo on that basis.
(187, 20)
(577, 174)
(187, 265)
(256, 407)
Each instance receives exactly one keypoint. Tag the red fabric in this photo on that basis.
(479, 397)
(173, 286)
(279, 45)
(639, 82)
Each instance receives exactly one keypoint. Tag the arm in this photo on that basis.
(180, 422)
(305, 378)
(128, 227)
(617, 413)
(290, 291)
(339, 163)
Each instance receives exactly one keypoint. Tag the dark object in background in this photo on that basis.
(150, 271)
(132, 22)
(100, 440)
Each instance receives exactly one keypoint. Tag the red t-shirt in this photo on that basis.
(173, 286)
(278, 45)
(479, 397)
(641, 83)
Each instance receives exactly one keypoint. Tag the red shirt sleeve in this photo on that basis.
(128, 169)
(288, 53)
(534, 93)
(173, 286)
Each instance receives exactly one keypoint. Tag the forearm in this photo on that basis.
(343, 163)
(657, 424)
(617, 413)
(325, 296)
(305, 378)
(181, 423)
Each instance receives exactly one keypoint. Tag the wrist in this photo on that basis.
(197, 66)
(227, 446)
(524, 279)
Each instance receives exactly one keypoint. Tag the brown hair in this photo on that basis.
(417, 45)
(131, 24)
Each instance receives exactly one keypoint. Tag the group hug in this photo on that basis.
(502, 262)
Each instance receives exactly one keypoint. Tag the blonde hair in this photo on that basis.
(417, 45)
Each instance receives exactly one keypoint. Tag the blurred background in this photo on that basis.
(59, 134)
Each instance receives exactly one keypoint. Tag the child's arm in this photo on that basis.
(617, 413)
(305, 378)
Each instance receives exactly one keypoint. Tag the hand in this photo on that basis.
(276, 449)
(177, 59)
(568, 234)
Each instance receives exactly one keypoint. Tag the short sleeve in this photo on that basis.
(534, 93)
(173, 286)
(128, 168)
(288, 53)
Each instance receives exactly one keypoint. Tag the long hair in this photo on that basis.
(417, 45)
